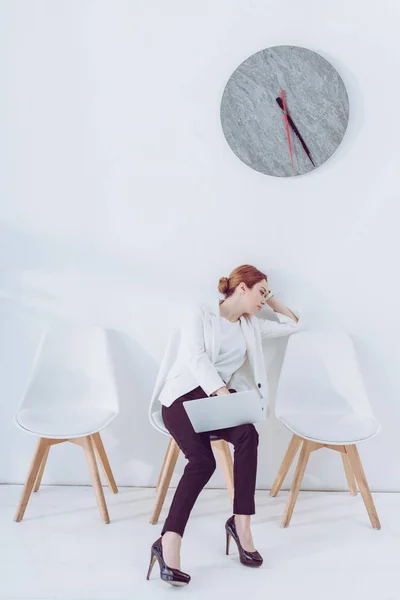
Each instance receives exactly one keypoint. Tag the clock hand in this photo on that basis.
(287, 128)
(297, 132)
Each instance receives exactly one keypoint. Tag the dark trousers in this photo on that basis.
(197, 449)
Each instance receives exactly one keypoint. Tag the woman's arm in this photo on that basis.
(289, 321)
(195, 355)
(279, 307)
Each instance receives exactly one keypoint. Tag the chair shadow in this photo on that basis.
(135, 438)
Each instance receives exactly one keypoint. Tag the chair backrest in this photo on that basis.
(321, 374)
(171, 350)
(72, 366)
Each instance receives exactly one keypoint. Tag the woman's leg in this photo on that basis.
(245, 441)
(201, 465)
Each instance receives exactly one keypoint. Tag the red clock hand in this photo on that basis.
(287, 128)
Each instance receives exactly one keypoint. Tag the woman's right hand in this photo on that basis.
(222, 391)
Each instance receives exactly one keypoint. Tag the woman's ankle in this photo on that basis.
(243, 520)
(171, 537)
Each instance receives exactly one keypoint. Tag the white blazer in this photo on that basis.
(192, 350)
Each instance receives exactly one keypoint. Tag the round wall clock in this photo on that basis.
(284, 111)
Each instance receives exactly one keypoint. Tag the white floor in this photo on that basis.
(62, 550)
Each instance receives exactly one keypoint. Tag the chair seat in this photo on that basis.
(159, 422)
(331, 428)
(71, 421)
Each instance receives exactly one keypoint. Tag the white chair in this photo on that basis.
(70, 396)
(322, 400)
(172, 453)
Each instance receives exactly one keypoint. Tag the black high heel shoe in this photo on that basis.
(249, 559)
(171, 576)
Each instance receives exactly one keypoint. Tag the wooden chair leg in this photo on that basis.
(88, 447)
(103, 458)
(286, 464)
(42, 445)
(351, 482)
(298, 478)
(165, 479)
(226, 464)
(163, 465)
(41, 470)
(358, 470)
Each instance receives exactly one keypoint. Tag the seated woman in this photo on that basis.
(215, 342)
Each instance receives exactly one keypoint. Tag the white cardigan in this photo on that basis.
(189, 358)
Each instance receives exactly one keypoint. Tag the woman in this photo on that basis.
(214, 344)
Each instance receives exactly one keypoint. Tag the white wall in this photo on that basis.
(120, 200)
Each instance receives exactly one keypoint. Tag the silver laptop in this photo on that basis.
(229, 410)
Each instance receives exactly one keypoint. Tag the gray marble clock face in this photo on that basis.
(254, 124)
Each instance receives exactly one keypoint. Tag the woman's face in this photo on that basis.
(254, 298)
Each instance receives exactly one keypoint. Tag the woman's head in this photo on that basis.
(247, 285)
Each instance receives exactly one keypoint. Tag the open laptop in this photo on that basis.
(229, 410)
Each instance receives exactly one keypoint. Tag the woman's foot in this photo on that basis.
(171, 576)
(248, 555)
(171, 547)
(242, 524)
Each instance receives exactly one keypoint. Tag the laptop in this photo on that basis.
(228, 410)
